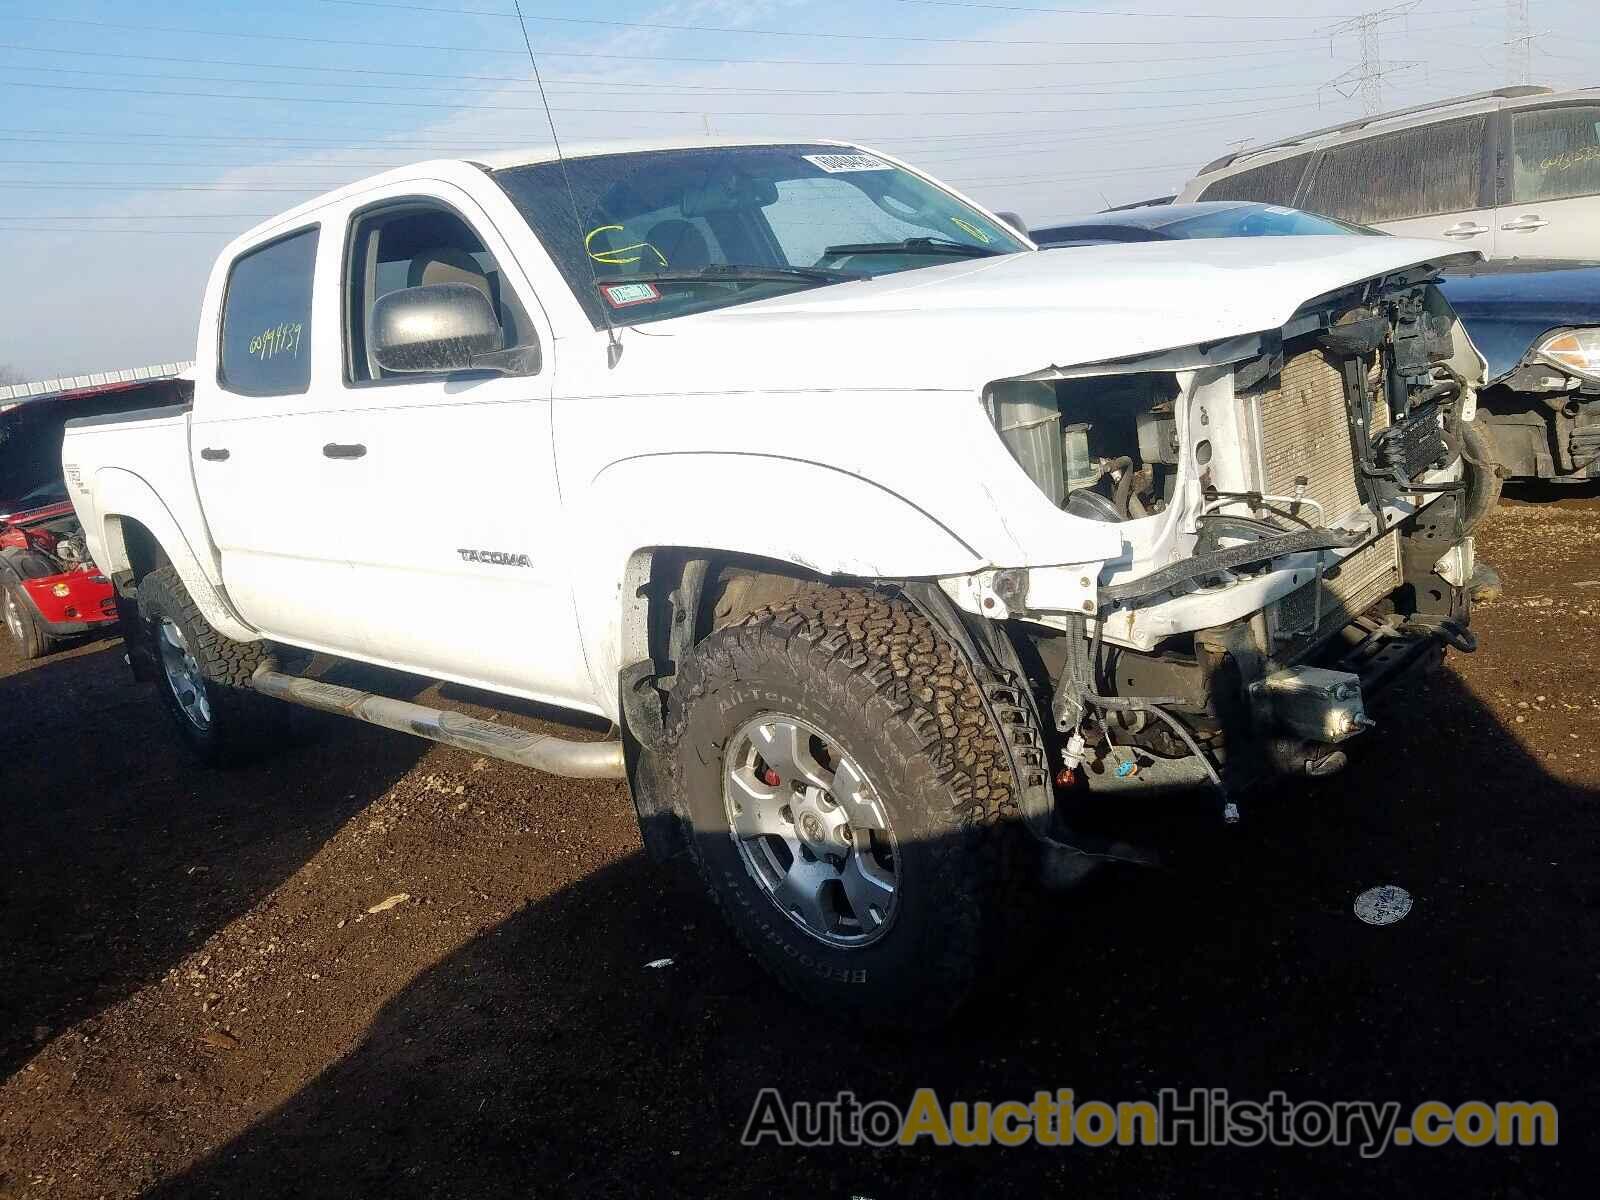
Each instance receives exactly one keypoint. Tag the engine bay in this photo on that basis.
(1388, 366)
(57, 541)
(1302, 477)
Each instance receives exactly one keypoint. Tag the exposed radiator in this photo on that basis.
(1306, 435)
(1364, 578)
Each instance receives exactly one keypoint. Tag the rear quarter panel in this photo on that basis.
(135, 468)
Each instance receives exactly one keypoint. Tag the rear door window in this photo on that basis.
(1270, 183)
(266, 319)
(1555, 153)
(1419, 172)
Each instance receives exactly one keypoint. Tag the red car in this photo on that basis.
(49, 588)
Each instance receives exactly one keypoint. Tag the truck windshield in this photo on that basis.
(664, 233)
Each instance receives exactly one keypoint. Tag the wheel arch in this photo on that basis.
(137, 533)
(674, 597)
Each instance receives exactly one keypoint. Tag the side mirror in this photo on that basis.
(1015, 221)
(438, 327)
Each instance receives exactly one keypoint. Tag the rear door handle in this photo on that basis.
(211, 454)
(335, 450)
(1466, 229)
(1529, 222)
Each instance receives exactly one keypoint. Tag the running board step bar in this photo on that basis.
(541, 751)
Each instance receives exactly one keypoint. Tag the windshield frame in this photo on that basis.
(538, 191)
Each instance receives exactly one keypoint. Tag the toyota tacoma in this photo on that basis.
(882, 537)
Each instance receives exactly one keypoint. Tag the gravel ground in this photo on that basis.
(374, 966)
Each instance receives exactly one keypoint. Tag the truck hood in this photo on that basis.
(963, 324)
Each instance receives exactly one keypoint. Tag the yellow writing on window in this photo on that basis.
(280, 339)
(615, 256)
(968, 227)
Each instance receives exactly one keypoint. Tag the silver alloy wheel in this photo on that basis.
(183, 675)
(14, 618)
(812, 830)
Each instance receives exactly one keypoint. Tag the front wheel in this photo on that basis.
(849, 802)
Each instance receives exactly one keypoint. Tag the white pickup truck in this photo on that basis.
(884, 537)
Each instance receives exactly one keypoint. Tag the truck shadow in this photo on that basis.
(1532, 491)
(549, 1057)
(106, 886)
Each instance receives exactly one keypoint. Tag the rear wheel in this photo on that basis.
(849, 801)
(23, 627)
(203, 677)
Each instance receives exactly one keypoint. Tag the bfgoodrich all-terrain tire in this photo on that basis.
(850, 802)
(203, 677)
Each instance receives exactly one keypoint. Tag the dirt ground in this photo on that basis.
(197, 997)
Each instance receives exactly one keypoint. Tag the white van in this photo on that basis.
(1514, 173)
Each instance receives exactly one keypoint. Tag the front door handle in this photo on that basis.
(1526, 223)
(212, 454)
(1466, 229)
(335, 450)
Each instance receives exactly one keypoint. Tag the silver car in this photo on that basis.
(1514, 173)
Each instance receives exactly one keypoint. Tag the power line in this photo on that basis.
(1519, 42)
(138, 217)
(867, 37)
(1162, 16)
(1080, 133)
(1367, 78)
(209, 141)
(629, 87)
(1111, 12)
(79, 185)
(988, 179)
(216, 233)
(878, 64)
(649, 112)
(145, 162)
(664, 27)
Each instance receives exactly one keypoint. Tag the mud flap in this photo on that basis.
(661, 826)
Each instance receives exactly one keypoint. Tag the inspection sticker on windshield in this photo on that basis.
(621, 295)
(834, 164)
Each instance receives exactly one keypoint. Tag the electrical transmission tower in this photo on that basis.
(1366, 78)
(1519, 43)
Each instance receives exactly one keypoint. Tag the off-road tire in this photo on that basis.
(243, 725)
(34, 642)
(1484, 476)
(897, 697)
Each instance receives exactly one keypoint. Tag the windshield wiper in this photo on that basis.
(915, 245)
(718, 272)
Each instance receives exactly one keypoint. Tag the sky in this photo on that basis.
(137, 138)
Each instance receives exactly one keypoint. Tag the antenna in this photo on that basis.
(613, 344)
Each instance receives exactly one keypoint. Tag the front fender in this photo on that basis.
(818, 518)
(123, 496)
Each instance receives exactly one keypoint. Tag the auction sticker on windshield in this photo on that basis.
(834, 164)
(620, 295)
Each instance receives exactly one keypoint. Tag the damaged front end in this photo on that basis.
(1289, 507)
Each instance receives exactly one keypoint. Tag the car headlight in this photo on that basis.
(1575, 350)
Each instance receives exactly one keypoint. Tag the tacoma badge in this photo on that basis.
(499, 558)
